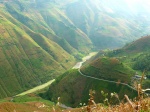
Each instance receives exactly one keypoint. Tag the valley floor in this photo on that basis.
(37, 88)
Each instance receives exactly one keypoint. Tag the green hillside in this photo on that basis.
(41, 39)
(108, 68)
(32, 51)
(53, 23)
(133, 53)
(140, 45)
(136, 55)
(73, 89)
(24, 63)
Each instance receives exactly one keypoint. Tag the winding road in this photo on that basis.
(105, 80)
(79, 65)
(112, 81)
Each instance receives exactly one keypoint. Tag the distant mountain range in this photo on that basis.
(41, 39)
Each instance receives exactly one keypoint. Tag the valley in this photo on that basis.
(84, 59)
(90, 56)
(40, 87)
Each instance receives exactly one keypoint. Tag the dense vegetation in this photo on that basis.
(136, 55)
(142, 62)
(41, 39)
(108, 68)
(118, 65)
(73, 88)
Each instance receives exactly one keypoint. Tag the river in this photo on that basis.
(77, 66)
(37, 88)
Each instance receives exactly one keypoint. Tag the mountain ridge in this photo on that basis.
(41, 39)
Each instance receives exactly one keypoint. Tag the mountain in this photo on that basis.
(26, 63)
(49, 21)
(118, 65)
(109, 24)
(134, 52)
(41, 39)
(136, 55)
(36, 45)
(73, 87)
(140, 45)
(108, 68)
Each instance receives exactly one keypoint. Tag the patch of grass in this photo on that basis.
(108, 68)
(73, 88)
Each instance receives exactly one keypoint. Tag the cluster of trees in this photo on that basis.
(142, 62)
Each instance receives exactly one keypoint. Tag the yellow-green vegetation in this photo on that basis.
(32, 102)
(41, 39)
(38, 88)
(108, 68)
(36, 45)
(51, 22)
(24, 63)
(27, 103)
(73, 89)
(136, 55)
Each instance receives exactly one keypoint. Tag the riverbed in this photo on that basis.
(37, 88)
(77, 66)
(84, 59)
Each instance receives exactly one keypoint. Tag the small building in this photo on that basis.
(139, 77)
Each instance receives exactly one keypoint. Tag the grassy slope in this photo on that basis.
(72, 88)
(26, 62)
(108, 68)
(76, 87)
(30, 49)
(140, 45)
(136, 55)
(27, 103)
(134, 52)
(37, 30)
(51, 22)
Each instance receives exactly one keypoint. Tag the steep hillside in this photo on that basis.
(78, 23)
(108, 68)
(24, 63)
(50, 21)
(40, 39)
(140, 45)
(133, 52)
(107, 26)
(136, 55)
(31, 46)
(72, 88)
